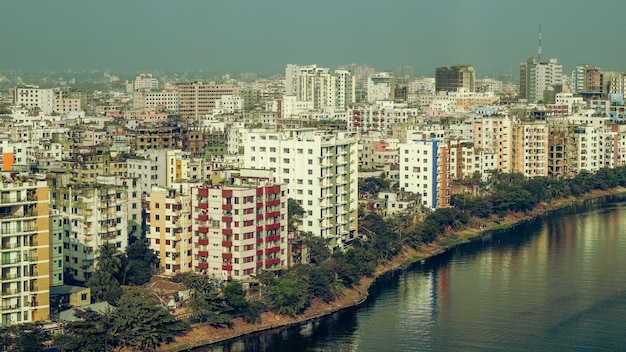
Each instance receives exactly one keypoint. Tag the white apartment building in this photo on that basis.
(320, 171)
(145, 81)
(229, 104)
(150, 99)
(568, 99)
(319, 86)
(425, 167)
(380, 86)
(158, 167)
(380, 117)
(48, 101)
(493, 136)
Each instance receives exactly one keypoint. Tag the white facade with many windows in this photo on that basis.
(320, 170)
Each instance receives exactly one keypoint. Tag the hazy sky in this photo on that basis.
(231, 36)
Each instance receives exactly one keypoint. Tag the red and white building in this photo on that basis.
(238, 230)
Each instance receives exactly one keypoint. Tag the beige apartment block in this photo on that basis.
(169, 234)
(529, 149)
(196, 99)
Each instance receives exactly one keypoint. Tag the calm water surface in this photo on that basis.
(554, 284)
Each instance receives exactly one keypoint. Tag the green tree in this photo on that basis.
(109, 258)
(209, 307)
(104, 287)
(295, 213)
(141, 325)
(288, 296)
(317, 247)
(235, 295)
(196, 282)
(373, 185)
(27, 337)
(252, 313)
(91, 333)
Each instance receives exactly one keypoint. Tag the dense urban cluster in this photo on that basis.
(225, 197)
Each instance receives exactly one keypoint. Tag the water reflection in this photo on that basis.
(558, 283)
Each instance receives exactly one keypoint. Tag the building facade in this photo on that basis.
(25, 247)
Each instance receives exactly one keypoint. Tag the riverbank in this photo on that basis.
(202, 335)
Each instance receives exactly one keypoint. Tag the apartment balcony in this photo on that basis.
(272, 202)
(10, 261)
(272, 250)
(9, 277)
(270, 227)
(203, 229)
(259, 264)
(9, 246)
(227, 267)
(10, 307)
(227, 231)
(203, 205)
(203, 265)
(227, 243)
(259, 252)
(203, 253)
(259, 205)
(11, 291)
(227, 207)
(203, 217)
(259, 240)
(272, 238)
(259, 216)
(203, 241)
(274, 261)
(203, 192)
(227, 255)
(227, 219)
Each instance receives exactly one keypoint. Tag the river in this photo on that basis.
(557, 283)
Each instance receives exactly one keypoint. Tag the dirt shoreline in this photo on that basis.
(204, 335)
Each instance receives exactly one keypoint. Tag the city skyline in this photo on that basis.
(248, 36)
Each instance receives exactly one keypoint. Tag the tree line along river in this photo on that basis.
(557, 283)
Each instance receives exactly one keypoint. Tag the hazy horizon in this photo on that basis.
(263, 37)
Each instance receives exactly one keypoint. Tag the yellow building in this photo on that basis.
(25, 242)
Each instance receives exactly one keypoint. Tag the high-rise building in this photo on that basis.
(529, 148)
(536, 77)
(320, 171)
(145, 81)
(25, 247)
(425, 167)
(239, 230)
(380, 86)
(196, 99)
(47, 100)
(319, 86)
(453, 78)
(169, 234)
(588, 81)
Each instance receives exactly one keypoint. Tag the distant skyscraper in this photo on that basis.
(538, 77)
(588, 80)
(452, 78)
(319, 86)
(380, 86)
